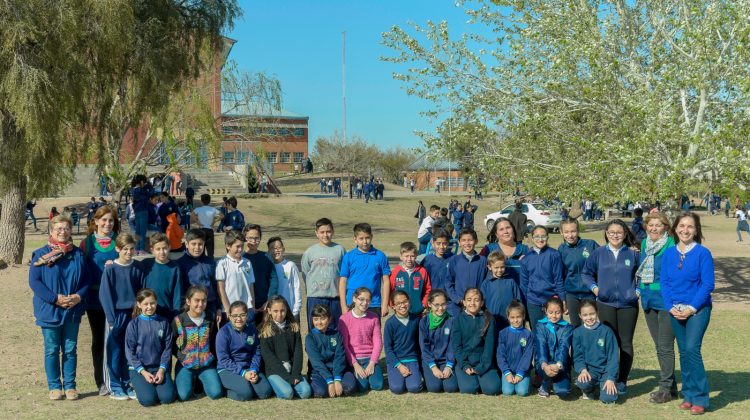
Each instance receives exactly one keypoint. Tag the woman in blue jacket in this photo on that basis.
(57, 280)
(657, 315)
(687, 280)
(610, 274)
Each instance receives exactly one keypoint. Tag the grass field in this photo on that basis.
(23, 387)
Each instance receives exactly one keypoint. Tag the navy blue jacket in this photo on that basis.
(437, 268)
(596, 350)
(141, 197)
(574, 258)
(515, 351)
(199, 271)
(119, 286)
(148, 343)
(436, 344)
(235, 219)
(541, 276)
(471, 349)
(401, 341)
(614, 278)
(94, 261)
(166, 282)
(552, 347)
(498, 294)
(463, 274)
(65, 277)
(266, 281)
(468, 219)
(238, 351)
(325, 350)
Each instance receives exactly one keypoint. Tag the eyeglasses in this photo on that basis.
(616, 233)
(404, 303)
(439, 306)
(682, 258)
(61, 230)
(238, 316)
(252, 238)
(539, 238)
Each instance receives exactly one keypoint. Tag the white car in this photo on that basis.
(536, 214)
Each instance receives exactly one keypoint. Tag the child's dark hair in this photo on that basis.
(232, 202)
(515, 305)
(205, 199)
(540, 227)
(638, 212)
(444, 212)
(399, 293)
(358, 292)
(252, 226)
(194, 234)
(124, 239)
(434, 207)
(435, 293)
(266, 328)
(324, 221)
(362, 228)
(467, 231)
(237, 304)
(156, 238)
(407, 246)
(191, 291)
(494, 257)
(320, 311)
(570, 221)
(629, 238)
(232, 236)
(439, 232)
(486, 313)
(588, 302)
(274, 239)
(140, 297)
(554, 300)
(492, 236)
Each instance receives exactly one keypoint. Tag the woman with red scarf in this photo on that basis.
(57, 280)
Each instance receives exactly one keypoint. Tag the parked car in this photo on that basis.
(536, 214)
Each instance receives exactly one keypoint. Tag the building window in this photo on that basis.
(285, 157)
(283, 131)
(228, 129)
(299, 132)
(271, 131)
(298, 156)
(271, 157)
(242, 157)
(228, 157)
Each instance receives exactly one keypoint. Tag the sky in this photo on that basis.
(300, 43)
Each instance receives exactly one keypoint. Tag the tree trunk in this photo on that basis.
(12, 225)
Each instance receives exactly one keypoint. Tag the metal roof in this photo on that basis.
(427, 162)
(238, 108)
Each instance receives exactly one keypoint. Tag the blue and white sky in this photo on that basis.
(299, 42)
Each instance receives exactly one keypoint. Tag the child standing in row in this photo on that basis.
(163, 277)
(325, 350)
(553, 337)
(288, 275)
(466, 270)
(411, 279)
(365, 266)
(266, 283)
(436, 261)
(120, 282)
(574, 251)
(515, 351)
(360, 330)
(438, 360)
(234, 274)
(200, 270)
(401, 349)
(541, 275)
(596, 356)
(148, 349)
(321, 264)
(499, 291)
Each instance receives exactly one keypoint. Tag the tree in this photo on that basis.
(392, 163)
(607, 99)
(345, 156)
(65, 69)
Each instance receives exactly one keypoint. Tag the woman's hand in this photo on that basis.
(73, 300)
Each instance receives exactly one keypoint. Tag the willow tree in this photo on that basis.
(65, 67)
(603, 98)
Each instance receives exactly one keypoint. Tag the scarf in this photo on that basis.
(59, 249)
(437, 321)
(551, 327)
(646, 270)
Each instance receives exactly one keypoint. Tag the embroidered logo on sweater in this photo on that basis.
(250, 340)
(333, 342)
(600, 342)
(585, 253)
(160, 333)
(627, 263)
(523, 342)
(447, 331)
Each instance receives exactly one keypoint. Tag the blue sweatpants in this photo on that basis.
(412, 383)
(488, 383)
(435, 384)
(114, 339)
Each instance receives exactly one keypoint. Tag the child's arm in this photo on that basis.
(426, 289)
(177, 292)
(316, 360)
(385, 295)
(221, 288)
(339, 358)
(588, 273)
(541, 354)
(424, 342)
(557, 275)
(458, 347)
(390, 356)
(502, 361)
(377, 342)
(488, 352)
(562, 355)
(268, 352)
(450, 284)
(131, 347)
(579, 359)
(224, 353)
(342, 295)
(165, 361)
(346, 338)
(524, 279)
(294, 278)
(105, 296)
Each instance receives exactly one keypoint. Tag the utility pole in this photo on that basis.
(343, 77)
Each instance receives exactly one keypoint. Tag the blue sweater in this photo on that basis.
(325, 350)
(65, 277)
(238, 351)
(615, 278)
(596, 350)
(148, 343)
(119, 286)
(266, 281)
(693, 284)
(574, 258)
(471, 349)
(651, 293)
(141, 197)
(235, 219)
(464, 273)
(94, 267)
(541, 276)
(553, 343)
(515, 351)
(512, 263)
(364, 269)
(436, 344)
(437, 268)
(199, 271)
(498, 294)
(401, 341)
(166, 281)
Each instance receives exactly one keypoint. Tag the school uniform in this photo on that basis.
(498, 294)
(512, 262)
(363, 343)
(266, 281)
(194, 349)
(541, 278)
(322, 265)
(416, 284)
(424, 233)
(282, 354)
(238, 352)
(235, 219)
(596, 351)
(165, 279)
(325, 351)
(400, 340)
(435, 345)
(117, 292)
(148, 346)
(464, 272)
(515, 351)
(365, 269)
(200, 271)
(437, 269)
(552, 346)
(289, 285)
(238, 279)
(472, 350)
(574, 258)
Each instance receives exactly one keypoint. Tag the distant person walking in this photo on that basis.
(518, 220)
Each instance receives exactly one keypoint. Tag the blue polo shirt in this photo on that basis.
(364, 269)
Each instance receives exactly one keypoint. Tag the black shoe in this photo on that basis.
(660, 397)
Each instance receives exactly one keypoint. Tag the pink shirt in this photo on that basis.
(361, 336)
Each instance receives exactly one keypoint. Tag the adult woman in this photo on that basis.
(657, 315)
(57, 280)
(141, 191)
(610, 274)
(98, 247)
(687, 280)
(502, 237)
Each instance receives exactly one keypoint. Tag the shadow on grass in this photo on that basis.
(732, 279)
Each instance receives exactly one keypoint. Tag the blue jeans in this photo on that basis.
(488, 383)
(689, 335)
(320, 387)
(435, 384)
(286, 391)
(184, 380)
(117, 365)
(240, 389)
(374, 381)
(412, 383)
(150, 394)
(521, 388)
(560, 383)
(65, 338)
(141, 225)
(589, 387)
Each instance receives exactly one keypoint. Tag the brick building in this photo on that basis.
(425, 172)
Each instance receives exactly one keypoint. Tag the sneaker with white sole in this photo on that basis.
(119, 396)
(103, 391)
(543, 392)
(131, 394)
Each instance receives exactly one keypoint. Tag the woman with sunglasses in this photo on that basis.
(687, 280)
(610, 275)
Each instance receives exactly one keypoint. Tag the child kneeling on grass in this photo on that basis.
(554, 337)
(596, 357)
(325, 350)
(401, 336)
(515, 350)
